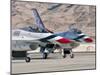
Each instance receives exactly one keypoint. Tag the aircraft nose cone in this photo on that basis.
(88, 40)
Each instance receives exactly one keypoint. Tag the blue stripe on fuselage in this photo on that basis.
(47, 38)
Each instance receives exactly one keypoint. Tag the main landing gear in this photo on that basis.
(45, 55)
(67, 51)
(45, 52)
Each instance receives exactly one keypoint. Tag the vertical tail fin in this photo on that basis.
(38, 21)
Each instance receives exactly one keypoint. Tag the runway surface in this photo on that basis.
(55, 62)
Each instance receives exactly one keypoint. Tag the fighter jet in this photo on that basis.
(73, 33)
(23, 41)
(29, 38)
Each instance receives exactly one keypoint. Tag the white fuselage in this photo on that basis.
(23, 40)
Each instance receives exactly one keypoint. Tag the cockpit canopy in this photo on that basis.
(30, 29)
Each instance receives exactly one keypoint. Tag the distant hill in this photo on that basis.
(56, 17)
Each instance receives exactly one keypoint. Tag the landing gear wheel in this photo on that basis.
(27, 59)
(72, 56)
(65, 52)
(45, 55)
(64, 56)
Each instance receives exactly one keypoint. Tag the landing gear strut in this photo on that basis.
(45, 55)
(45, 52)
(71, 54)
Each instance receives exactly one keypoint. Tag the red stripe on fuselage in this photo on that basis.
(64, 41)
